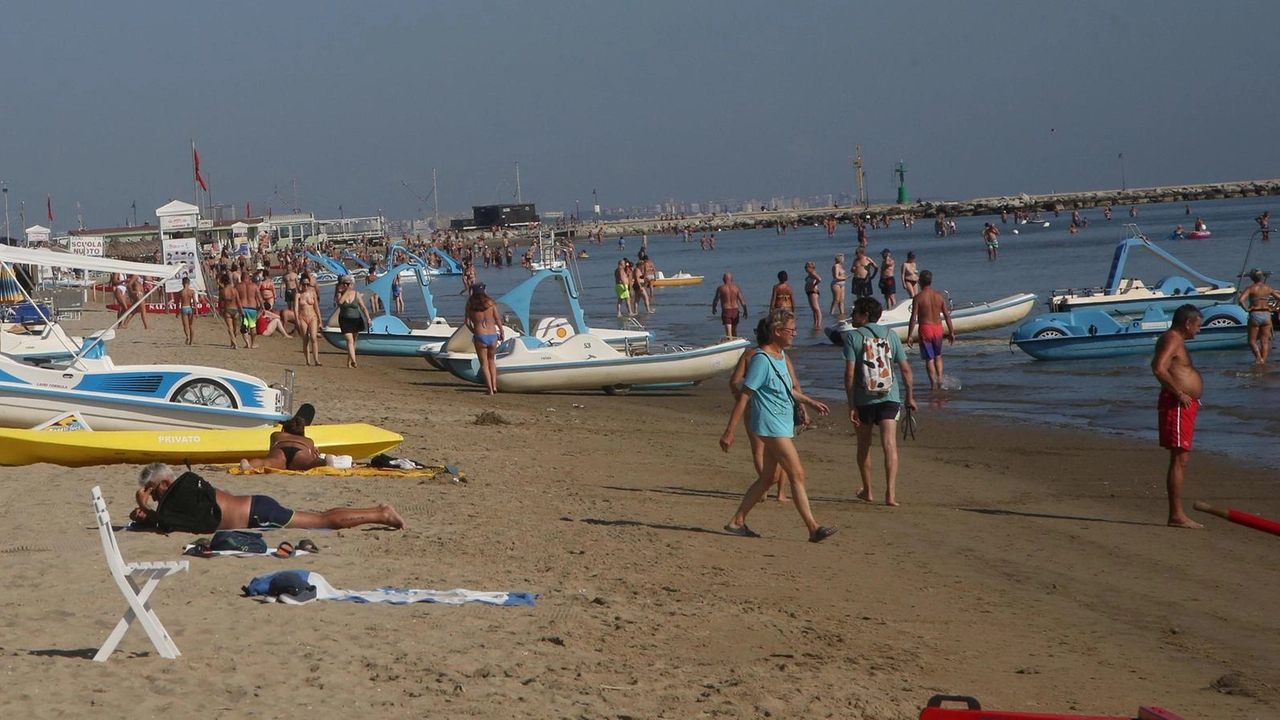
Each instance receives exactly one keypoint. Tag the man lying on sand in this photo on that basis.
(258, 511)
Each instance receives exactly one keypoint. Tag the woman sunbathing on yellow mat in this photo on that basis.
(291, 449)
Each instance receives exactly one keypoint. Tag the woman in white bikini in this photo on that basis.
(307, 311)
(838, 278)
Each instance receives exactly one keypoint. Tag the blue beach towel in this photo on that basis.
(308, 582)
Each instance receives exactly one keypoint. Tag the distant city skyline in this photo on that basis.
(635, 105)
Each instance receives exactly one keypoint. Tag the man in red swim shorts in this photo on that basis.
(1180, 389)
(929, 310)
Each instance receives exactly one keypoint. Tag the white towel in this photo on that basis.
(405, 596)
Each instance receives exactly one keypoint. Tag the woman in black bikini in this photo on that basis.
(291, 449)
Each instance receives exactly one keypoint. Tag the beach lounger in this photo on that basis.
(126, 576)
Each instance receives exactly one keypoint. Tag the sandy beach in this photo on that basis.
(1029, 567)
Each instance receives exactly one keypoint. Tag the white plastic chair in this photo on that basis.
(139, 598)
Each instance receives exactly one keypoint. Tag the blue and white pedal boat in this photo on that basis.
(971, 318)
(89, 390)
(1123, 294)
(526, 364)
(1094, 334)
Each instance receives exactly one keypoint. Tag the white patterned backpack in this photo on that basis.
(876, 363)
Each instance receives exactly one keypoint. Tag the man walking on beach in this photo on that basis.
(868, 408)
(928, 310)
(249, 308)
(1180, 389)
(730, 303)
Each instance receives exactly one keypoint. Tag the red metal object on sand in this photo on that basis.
(160, 308)
(1240, 518)
(973, 711)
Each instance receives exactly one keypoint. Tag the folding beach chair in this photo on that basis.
(139, 598)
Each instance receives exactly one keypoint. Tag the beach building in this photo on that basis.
(487, 216)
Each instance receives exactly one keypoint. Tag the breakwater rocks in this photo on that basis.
(948, 208)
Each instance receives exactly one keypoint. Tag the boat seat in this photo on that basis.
(1175, 285)
(388, 325)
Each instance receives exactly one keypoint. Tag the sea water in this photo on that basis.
(1240, 415)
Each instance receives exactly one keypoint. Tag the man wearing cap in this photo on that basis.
(888, 279)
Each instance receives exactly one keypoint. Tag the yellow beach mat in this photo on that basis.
(357, 471)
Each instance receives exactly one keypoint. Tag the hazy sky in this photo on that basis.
(641, 101)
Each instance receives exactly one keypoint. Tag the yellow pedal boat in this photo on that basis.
(79, 448)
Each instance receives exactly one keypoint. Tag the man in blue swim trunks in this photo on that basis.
(256, 512)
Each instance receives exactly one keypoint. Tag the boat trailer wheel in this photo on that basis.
(204, 392)
(1049, 332)
(1221, 321)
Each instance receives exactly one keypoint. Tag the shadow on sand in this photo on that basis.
(637, 523)
(1047, 516)
(725, 494)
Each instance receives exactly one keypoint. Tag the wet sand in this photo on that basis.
(1027, 567)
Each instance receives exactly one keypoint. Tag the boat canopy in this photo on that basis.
(1116, 275)
(52, 258)
(448, 266)
(328, 263)
(387, 322)
(519, 298)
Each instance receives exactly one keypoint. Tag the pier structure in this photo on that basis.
(948, 208)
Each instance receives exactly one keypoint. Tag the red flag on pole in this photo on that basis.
(247, 212)
(48, 203)
(195, 158)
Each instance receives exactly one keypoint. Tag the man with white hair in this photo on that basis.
(239, 512)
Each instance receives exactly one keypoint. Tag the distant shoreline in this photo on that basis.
(948, 208)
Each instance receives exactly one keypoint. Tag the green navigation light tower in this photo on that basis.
(900, 174)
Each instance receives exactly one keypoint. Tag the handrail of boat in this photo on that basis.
(1244, 268)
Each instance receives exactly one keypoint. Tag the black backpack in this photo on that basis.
(190, 505)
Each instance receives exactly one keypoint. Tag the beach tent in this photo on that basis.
(38, 235)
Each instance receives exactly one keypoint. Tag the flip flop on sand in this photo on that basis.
(284, 551)
(741, 531)
(199, 548)
(822, 533)
(308, 546)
